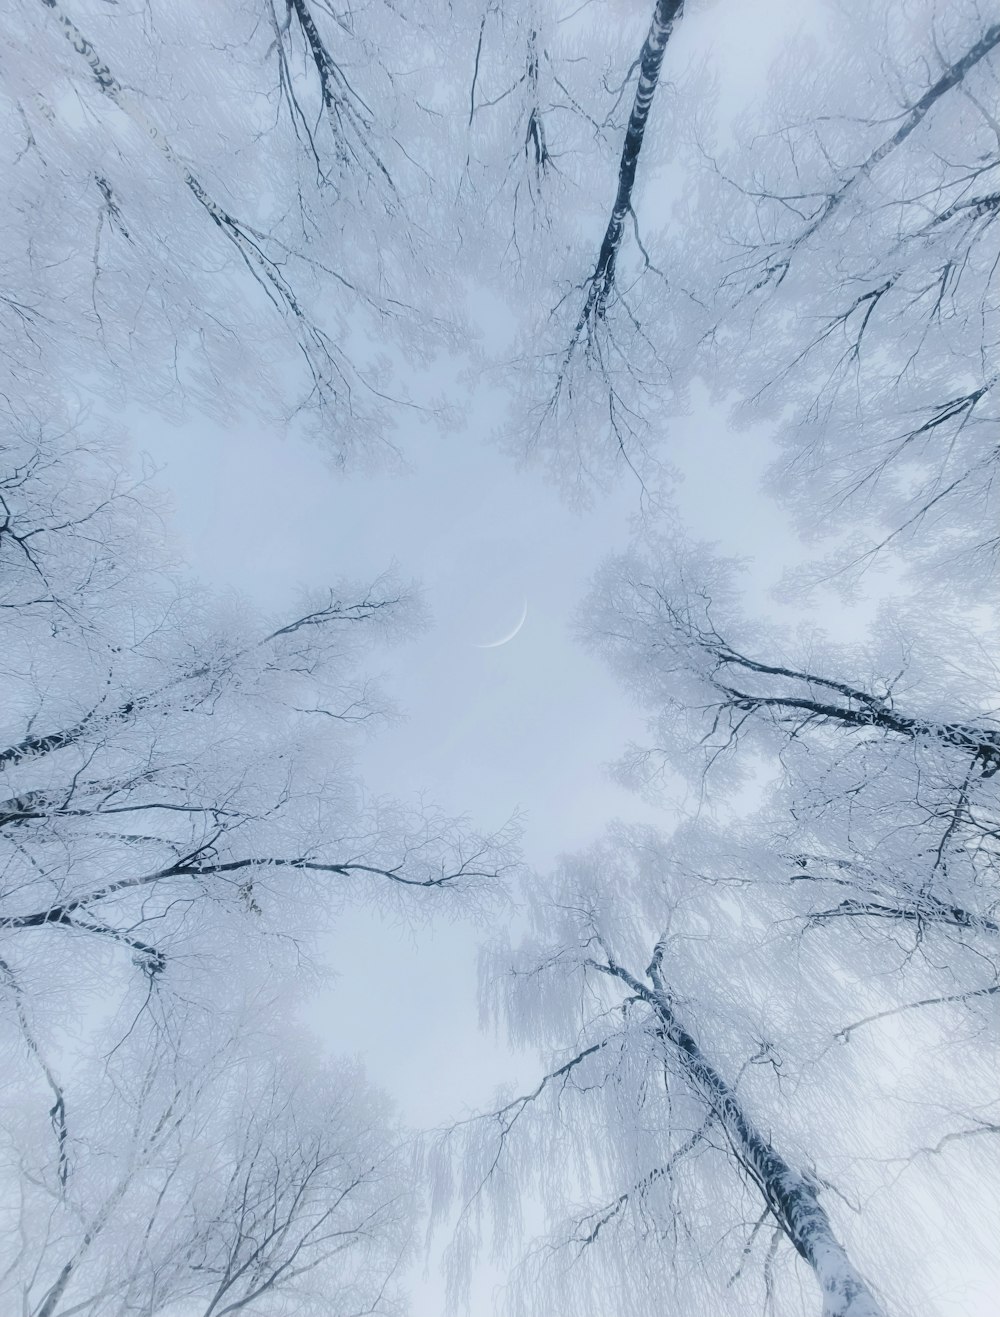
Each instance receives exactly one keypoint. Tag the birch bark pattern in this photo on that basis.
(602, 281)
(789, 1195)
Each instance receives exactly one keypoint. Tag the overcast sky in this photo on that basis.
(525, 726)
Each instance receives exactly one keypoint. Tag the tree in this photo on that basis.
(825, 265)
(234, 206)
(276, 205)
(231, 200)
(230, 1178)
(836, 272)
(179, 817)
(589, 363)
(669, 1175)
(848, 278)
(868, 853)
(735, 1092)
(178, 796)
(174, 775)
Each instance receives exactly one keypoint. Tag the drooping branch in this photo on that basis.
(507, 1116)
(326, 364)
(790, 1196)
(595, 1221)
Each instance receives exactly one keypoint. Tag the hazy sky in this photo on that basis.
(525, 726)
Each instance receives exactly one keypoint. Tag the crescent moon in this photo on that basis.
(494, 644)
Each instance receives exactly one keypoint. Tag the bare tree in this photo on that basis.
(680, 1167)
(177, 778)
(178, 804)
(228, 197)
(852, 244)
(231, 1178)
(865, 819)
(209, 206)
(845, 281)
(831, 269)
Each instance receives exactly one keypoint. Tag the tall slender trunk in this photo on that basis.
(665, 15)
(790, 1196)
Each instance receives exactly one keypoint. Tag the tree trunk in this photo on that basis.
(790, 1196)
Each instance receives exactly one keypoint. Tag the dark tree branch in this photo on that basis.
(925, 909)
(348, 115)
(67, 914)
(602, 281)
(608, 1213)
(859, 708)
(32, 746)
(325, 362)
(843, 1035)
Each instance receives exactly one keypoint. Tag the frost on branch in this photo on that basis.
(234, 1173)
(885, 763)
(850, 266)
(176, 777)
(226, 193)
(644, 1140)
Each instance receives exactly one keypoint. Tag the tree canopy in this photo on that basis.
(763, 1026)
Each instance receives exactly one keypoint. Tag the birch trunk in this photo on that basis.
(790, 1195)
